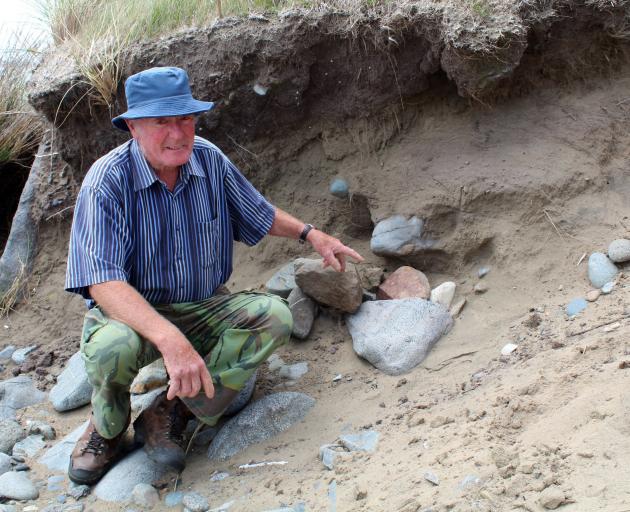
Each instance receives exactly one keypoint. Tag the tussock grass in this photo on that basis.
(20, 127)
(11, 297)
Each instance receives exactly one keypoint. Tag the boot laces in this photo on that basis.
(174, 430)
(95, 444)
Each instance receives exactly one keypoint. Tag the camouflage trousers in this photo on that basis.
(233, 333)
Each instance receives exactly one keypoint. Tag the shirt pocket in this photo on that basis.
(208, 239)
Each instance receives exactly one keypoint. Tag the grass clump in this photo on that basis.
(20, 127)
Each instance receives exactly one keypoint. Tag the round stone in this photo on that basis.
(619, 250)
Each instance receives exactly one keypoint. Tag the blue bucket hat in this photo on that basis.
(159, 92)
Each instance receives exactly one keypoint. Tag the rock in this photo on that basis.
(5, 463)
(608, 288)
(619, 250)
(364, 441)
(145, 495)
(41, 428)
(173, 499)
(483, 272)
(55, 482)
(141, 402)
(17, 486)
(57, 457)
(30, 446)
(7, 352)
(396, 335)
(339, 290)
(339, 188)
(282, 281)
(20, 355)
(398, 236)
(371, 276)
(150, 377)
(294, 371)
(576, 306)
(601, 270)
(360, 217)
(8, 508)
(195, 502)
(243, 397)
(17, 393)
(78, 491)
(480, 288)
(304, 310)
(444, 294)
(508, 349)
(259, 421)
(328, 453)
(10, 433)
(470, 481)
(551, 498)
(136, 468)
(404, 283)
(73, 388)
(457, 308)
(593, 295)
(429, 476)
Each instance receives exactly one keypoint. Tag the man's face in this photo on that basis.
(167, 142)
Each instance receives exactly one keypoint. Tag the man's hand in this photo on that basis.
(332, 250)
(186, 368)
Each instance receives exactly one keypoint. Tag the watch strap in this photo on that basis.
(307, 229)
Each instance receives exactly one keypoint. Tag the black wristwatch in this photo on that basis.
(305, 232)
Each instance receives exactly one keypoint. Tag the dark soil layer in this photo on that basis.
(13, 176)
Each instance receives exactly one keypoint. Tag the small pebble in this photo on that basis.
(339, 188)
(432, 477)
(608, 287)
(593, 295)
(480, 288)
(483, 271)
(508, 349)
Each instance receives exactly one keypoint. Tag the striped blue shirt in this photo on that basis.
(170, 246)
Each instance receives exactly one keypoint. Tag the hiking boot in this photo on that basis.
(161, 429)
(93, 455)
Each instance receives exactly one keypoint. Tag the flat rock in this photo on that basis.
(17, 486)
(444, 294)
(29, 446)
(593, 295)
(371, 276)
(406, 282)
(399, 236)
(619, 250)
(576, 306)
(7, 352)
(17, 393)
(259, 421)
(149, 378)
(58, 457)
(10, 433)
(396, 335)
(243, 397)
(364, 441)
(282, 281)
(339, 290)
(551, 498)
(20, 355)
(73, 388)
(457, 308)
(5, 463)
(304, 310)
(136, 468)
(601, 270)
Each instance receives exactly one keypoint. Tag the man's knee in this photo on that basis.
(279, 317)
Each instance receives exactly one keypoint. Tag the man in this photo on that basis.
(151, 244)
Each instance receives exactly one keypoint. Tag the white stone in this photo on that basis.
(17, 486)
(444, 294)
(508, 349)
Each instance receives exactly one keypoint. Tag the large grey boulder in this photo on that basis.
(58, 457)
(243, 397)
(136, 468)
(17, 393)
(304, 310)
(17, 486)
(399, 236)
(259, 421)
(339, 290)
(601, 270)
(282, 281)
(73, 388)
(396, 335)
(10, 433)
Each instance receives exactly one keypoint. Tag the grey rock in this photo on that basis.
(365, 441)
(339, 290)
(259, 421)
(61, 498)
(195, 502)
(17, 486)
(282, 281)
(145, 495)
(7, 352)
(141, 402)
(57, 457)
(243, 397)
(173, 499)
(17, 393)
(483, 272)
(303, 309)
(20, 355)
(339, 188)
(470, 481)
(429, 476)
(150, 377)
(78, 491)
(551, 498)
(217, 477)
(8, 508)
(29, 446)
(10, 433)
(396, 335)
(619, 250)
(294, 371)
(41, 428)
(21, 467)
(73, 388)
(328, 453)
(5, 463)
(601, 270)
(399, 236)
(608, 287)
(136, 468)
(55, 482)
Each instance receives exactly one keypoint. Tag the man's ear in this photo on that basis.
(131, 127)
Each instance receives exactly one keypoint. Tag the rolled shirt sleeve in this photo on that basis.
(99, 242)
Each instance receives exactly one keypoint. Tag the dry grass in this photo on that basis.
(14, 293)
(20, 127)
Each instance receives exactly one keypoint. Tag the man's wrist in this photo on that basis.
(305, 232)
